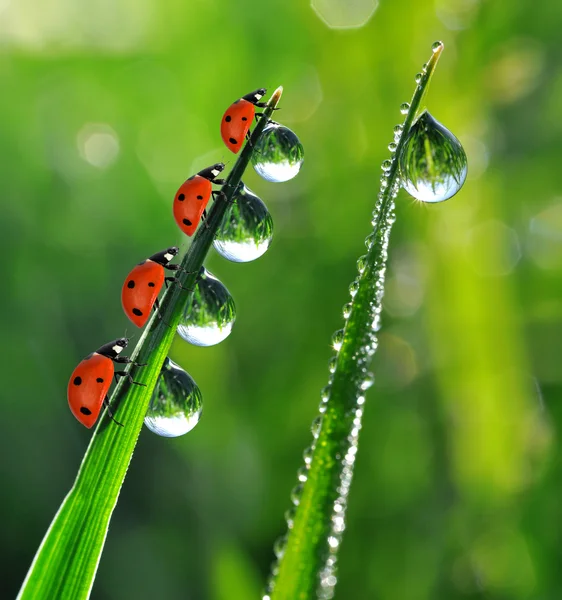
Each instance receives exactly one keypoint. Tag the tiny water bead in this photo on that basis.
(385, 166)
(176, 404)
(210, 313)
(436, 46)
(404, 108)
(246, 230)
(392, 146)
(347, 310)
(279, 154)
(332, 364)
(418, 77)
(433, 162)
(337, 339)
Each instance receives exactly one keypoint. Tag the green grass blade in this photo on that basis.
(65, 565)
(307, 561)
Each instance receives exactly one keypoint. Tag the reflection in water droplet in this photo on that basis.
(418, 77)
(354, 288)
(332, 364)
(316, 426)
(279, 547)
(385, 166)
(392, 146)
(436, 46)
(176, 404)
(404, 108)
(362, 263)
(337, 339)
(432, 161)
(279, 154)
(347, 310)
(210, 313)
(296, 494)
(246, 229)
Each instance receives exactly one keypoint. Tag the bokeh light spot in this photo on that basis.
(545, 243)
(350, 14)
(493, 249)
(98, 144)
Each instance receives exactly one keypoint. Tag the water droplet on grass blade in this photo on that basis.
(433, 163)
(246, 229)
(279, 154)
(210, 313)
(176, 404)
(404, 108)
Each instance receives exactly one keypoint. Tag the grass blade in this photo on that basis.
(65, 565)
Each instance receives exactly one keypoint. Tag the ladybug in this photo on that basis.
(90, 382)
(192, 198)
(236, 121)
(143, 284)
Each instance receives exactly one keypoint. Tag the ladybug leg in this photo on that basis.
(129, 377)
(176, 280)
(204, 219)
(156, 307)
(109, 413)
(125, 360)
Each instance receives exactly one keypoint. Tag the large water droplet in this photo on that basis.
(176, 404)
(432, 161)
(210, 313)
(404, 108)
(246, 229)
(278, 155)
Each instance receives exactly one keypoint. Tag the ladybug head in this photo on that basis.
(164, 257)
(119, 344)
(255, 96)
(114, 348)
(212, 172)
(171, 252)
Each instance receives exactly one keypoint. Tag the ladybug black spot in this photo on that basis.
(85, 411)
(137, 312)
(199, 197)
(131, 284)
(244, 118)
(181, 197)
(187, 222)
(228, 118)
(233, 141)
(99, 380)
(77, 380)
(151, 284)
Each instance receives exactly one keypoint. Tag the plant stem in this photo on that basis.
(66, 562)
(307, 562)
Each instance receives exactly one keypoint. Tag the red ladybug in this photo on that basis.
(143, 284)
(90, 382)
(192, 198)
(238, 117)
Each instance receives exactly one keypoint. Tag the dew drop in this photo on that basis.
(307, 455)
(302, 474)
(210, 313)
(385, 166)
(176, 404)
(404, 108)
(436, 46)
(316, 426)
(246, 229)
(290, 516)
(347, 310)
(278, 155)
(392, 146)
(354, 288)
(362, 263)
(337, 339)
(332, 364)
(279, 546)
(368, 381)
(296, 493)
(418, 77)
(432, 161)
(325, 394)
(370, 240)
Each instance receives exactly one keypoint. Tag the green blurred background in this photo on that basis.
(105, 108)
